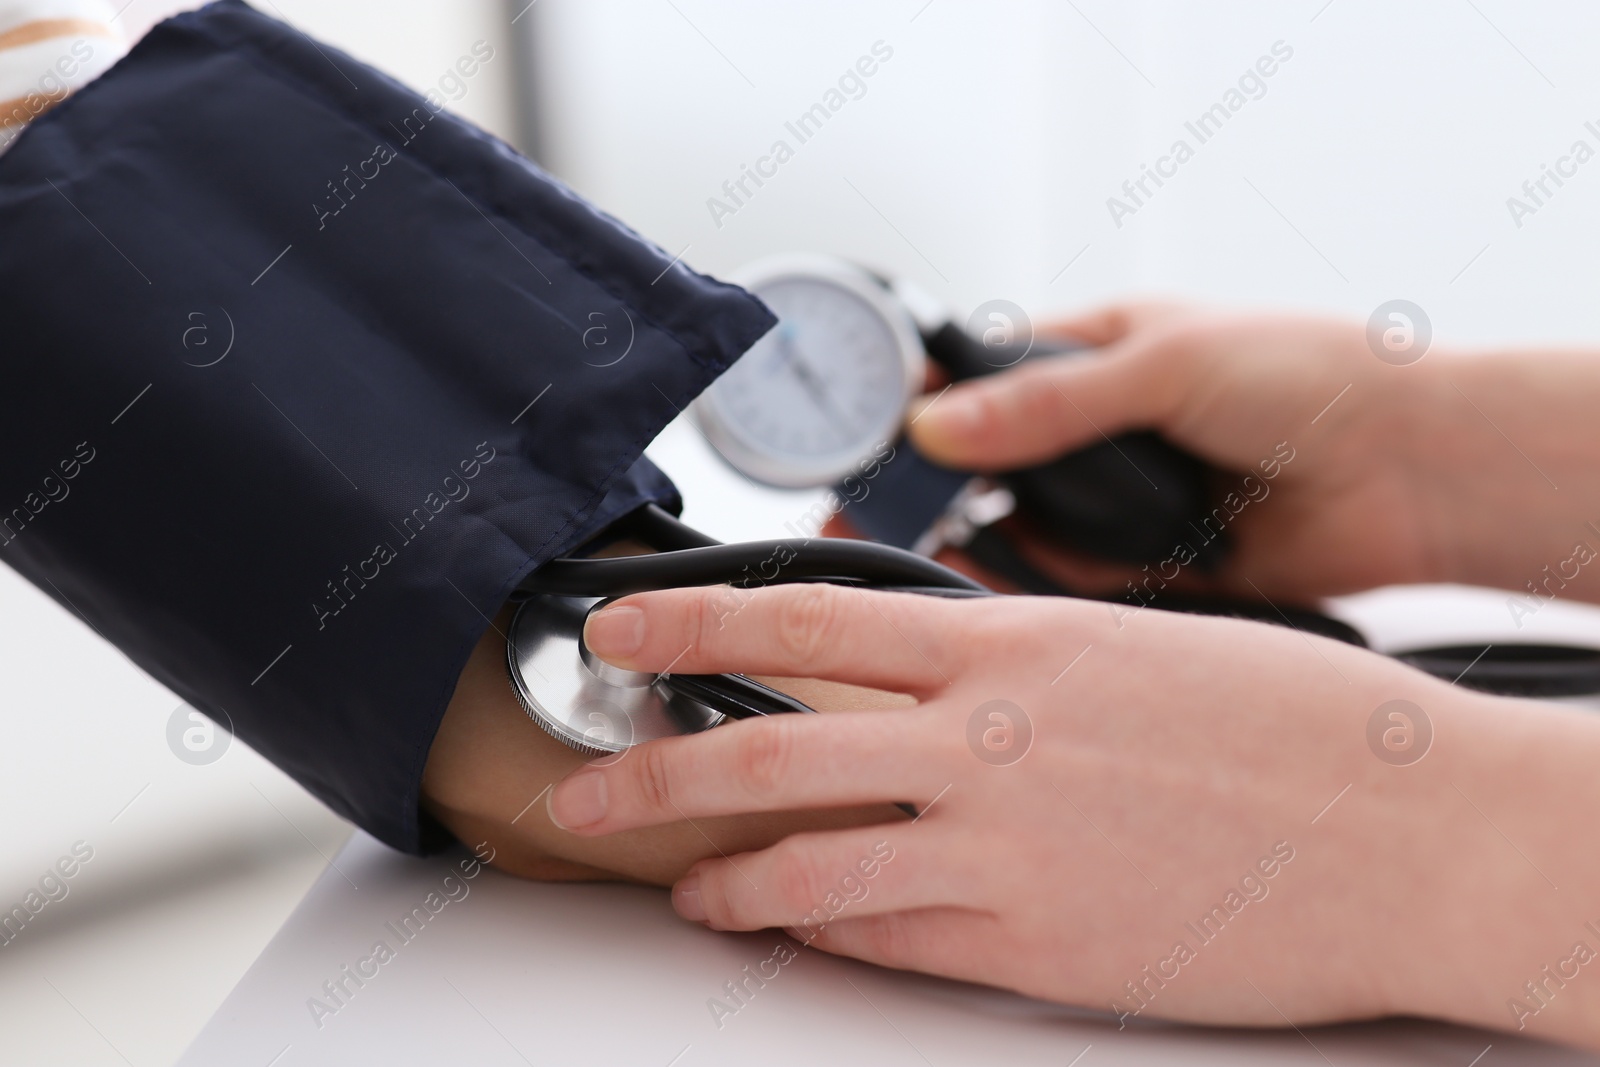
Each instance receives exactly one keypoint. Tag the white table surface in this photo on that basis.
(513, 972)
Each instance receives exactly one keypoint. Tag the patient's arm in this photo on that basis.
(491, 766)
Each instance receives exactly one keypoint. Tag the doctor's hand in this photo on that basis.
(490, 770)
(1180, 816)
(1354, 472)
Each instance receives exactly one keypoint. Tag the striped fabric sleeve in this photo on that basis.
(48, 50)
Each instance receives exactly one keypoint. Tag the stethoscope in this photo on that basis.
(597, 708)
(802, 408)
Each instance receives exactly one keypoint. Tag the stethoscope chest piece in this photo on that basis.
(579, 699)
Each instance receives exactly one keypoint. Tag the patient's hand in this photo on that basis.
(491, 767)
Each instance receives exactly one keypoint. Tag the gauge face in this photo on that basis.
(824, 387)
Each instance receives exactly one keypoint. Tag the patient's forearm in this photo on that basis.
(491, 766)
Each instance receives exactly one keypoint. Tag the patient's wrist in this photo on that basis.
(490, 768)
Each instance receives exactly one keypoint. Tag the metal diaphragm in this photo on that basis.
(580, 699)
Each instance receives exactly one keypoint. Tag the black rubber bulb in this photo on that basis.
(1131, 498)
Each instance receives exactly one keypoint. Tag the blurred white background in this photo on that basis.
(1376, 164)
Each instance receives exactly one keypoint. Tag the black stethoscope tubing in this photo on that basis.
(689, 558)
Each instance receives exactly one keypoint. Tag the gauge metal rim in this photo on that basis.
(786, 472)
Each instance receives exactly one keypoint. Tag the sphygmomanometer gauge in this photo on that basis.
(824, 388)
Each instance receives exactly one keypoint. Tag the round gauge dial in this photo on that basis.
(825, 386)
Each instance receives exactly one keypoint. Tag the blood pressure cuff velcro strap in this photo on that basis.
(302, 375)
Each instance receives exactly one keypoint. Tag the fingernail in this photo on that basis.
(686, 899)
(615, 631)
(579, 801)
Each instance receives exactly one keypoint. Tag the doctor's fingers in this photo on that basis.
(808, 881)
(781, 763)
(895, 641)
(948, 941)
(1052, 405)
(1110, 323)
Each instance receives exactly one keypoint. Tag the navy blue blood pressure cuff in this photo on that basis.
(302, 375)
